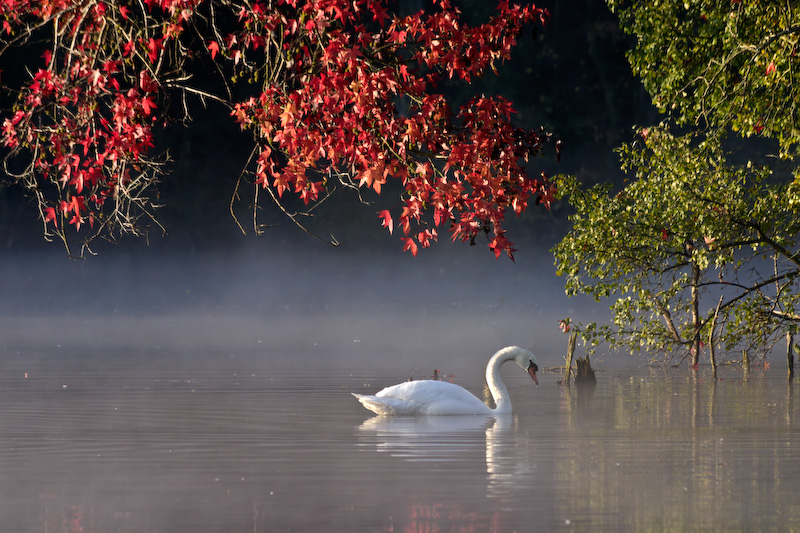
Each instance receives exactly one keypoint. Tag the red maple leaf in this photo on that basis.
(154, 47)
(214, 48)
(387, 220)
(409, 244)
(50, 214)
(771, 68)
(147, 105)
(425, 237)
(330, 109)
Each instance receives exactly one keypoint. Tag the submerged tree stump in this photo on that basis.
(585, 372)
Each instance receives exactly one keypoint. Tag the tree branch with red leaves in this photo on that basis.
(336, 91)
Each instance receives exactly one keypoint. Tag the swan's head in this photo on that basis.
(527, 361)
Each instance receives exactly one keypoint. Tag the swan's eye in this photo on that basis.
(534, 366)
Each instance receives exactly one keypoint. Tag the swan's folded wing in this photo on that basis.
(387, 405)
(425, 397)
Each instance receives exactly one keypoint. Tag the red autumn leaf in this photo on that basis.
(154, 47)
(425, 237)
(387, 220)
(146, 82)
(327, 110)
(214, 48)
(501, 244)
(770, 68)
(76, 204)
(409, 244)
(378, 13)
(439, 215)
(50, 214)
(76, 220)
(147, 105)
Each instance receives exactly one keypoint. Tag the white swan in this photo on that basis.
(430, 397)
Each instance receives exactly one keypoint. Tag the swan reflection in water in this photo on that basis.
(444, 439)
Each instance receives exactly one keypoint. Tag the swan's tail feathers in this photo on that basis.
(383, 406)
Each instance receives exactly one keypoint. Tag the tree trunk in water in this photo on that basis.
(790, 355)
(695, 314)
(573, 338)
(745, 365)
(711, 354)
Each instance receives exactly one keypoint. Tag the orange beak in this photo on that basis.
(532, 372)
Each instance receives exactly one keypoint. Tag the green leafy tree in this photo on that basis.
(692, 248)
(724, 65)
(697, 248)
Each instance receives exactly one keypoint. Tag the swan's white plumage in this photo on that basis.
(430, 397)
(426, 397)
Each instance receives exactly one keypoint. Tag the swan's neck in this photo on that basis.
(496, 386)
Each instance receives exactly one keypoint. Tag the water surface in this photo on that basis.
(260, 436)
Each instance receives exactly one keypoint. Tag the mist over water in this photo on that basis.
(446, 299)
(211, 392)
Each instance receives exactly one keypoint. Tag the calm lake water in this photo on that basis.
(144, 435)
